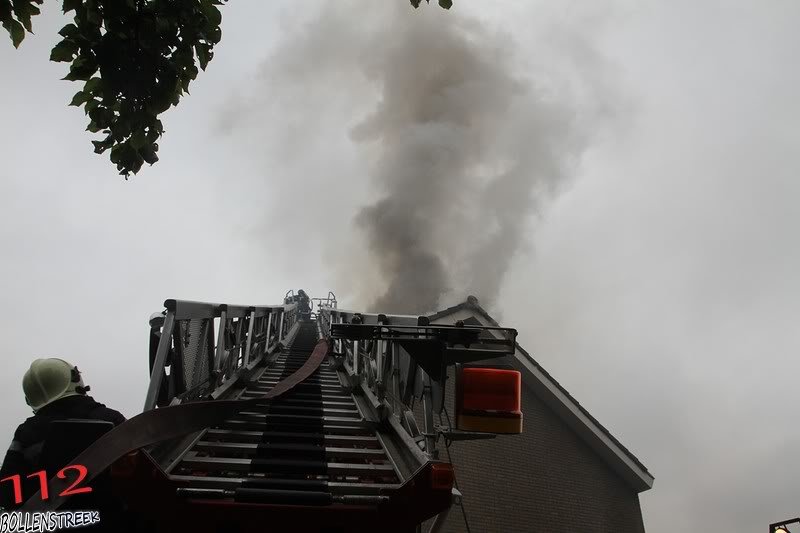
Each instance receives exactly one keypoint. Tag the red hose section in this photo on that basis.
(165, 423)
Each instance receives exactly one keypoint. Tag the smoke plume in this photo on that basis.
(458, 146)
(465, 147)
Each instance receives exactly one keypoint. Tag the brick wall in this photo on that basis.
(546, 480)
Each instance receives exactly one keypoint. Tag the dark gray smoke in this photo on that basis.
(465, 146)
(457, 145)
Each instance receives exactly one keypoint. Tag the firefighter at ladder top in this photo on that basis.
(303, 302)
(55, 391)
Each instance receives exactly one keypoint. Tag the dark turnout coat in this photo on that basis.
(24, 454)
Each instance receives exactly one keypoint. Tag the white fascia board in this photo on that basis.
(566, 408)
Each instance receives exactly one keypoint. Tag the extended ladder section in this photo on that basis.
(339, 451)
(311, 446)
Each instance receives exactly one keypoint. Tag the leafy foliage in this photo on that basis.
(136, 58)
(15, 17)
(447, 4)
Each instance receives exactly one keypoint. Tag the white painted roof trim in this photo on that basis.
(564, 406)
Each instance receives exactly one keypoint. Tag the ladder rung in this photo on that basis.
(278, 376)
(299, 389)
(289, 436)
(269, 381)
(291, 418)
(248, 394)
(264, 386)
(311, 410)
(288, 368)
(266, 449)
(284, 466)
(313, 403)
(334, 487)
(294, 428)
(282, 362)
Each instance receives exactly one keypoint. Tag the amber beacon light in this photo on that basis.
(488, 400)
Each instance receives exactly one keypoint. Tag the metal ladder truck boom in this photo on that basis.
(299, 417)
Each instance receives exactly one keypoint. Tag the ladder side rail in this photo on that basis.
(249, 342)
(220, 359)
(220, 349)
(191, 359)
(260, 339)
(160, 361)
(255, 327)
(188, 313)
(270, 328)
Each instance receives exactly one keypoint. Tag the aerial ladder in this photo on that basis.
(304, 417)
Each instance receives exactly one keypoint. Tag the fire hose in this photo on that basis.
(165, 423)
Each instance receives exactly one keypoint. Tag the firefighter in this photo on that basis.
(54, 390)
(303, 302)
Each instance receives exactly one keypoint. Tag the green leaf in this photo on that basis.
(121, 152)
(93, 85)
(121, 128)
(64, 51)
(93, 127)
(138, 139)
(93, 16)
(189, 74)
(136, 57)
(215, 35)
(69, 5)
(163, 25)
(90, 105)
(5, 10)
(80, 98)
(70, 30)
(160, 102)
(97, 115)
(126, 158)
(82, 69)
(102, 146)
(148, 153)
(204, 54)
(23, 11)
(16, 30)
(153, 134)
(211, 13)
(447, 4)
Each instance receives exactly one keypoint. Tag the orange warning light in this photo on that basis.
(489, 400)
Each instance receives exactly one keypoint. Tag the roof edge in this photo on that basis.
(557, 398)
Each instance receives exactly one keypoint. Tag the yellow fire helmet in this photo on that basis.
(48, 380)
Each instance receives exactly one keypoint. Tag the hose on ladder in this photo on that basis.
(165, 423)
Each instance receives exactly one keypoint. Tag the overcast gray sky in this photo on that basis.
(659, 280)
